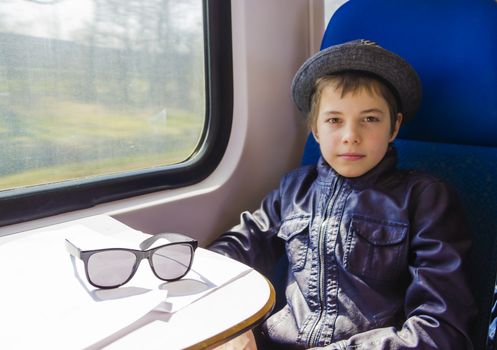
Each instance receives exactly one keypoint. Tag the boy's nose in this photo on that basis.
(351, 135)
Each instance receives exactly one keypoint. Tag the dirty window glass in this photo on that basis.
(98, 87)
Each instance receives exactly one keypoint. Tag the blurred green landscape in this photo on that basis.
(68, 140)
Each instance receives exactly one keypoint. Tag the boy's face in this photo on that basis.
(353, 131)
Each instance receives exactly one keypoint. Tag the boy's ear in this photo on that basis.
(396, 127)
(315, 134)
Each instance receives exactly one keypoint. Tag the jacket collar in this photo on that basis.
(327, 175)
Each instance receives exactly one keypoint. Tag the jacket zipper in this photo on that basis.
(321, 252)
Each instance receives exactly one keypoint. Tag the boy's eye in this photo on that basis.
(371, 119)
(333, 120)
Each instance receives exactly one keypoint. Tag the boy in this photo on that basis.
(375, 253)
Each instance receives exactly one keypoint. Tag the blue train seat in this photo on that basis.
(453, 46)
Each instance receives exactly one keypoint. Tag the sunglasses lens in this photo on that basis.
(173, 261)
(110, 268)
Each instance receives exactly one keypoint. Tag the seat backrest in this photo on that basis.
(453, 46)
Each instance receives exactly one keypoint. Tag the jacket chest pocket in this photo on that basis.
(376, 249)
(295, 233)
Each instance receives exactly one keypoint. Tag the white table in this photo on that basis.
(46, 303)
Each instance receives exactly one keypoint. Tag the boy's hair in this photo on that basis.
(351, 82)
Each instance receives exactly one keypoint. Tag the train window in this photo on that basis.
(101, 100)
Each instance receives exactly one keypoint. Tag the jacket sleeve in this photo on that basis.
(253, 241)
(438, 303)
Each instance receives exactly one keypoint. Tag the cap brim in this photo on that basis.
(358, 56)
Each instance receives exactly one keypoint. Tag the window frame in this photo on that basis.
(29, 203)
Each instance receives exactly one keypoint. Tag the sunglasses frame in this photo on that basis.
(144, 253)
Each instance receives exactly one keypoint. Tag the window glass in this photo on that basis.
(98, 87)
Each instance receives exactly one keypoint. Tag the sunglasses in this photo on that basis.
(113, 267)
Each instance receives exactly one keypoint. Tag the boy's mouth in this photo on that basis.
(351, 156)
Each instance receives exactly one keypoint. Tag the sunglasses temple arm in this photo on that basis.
(171, 237)
(73, 250)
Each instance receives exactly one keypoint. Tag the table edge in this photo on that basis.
(240, 327)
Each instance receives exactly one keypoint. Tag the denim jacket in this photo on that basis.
(375, 262)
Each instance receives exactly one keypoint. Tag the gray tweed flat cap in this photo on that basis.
(359, 55)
